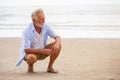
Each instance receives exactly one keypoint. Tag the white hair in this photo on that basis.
(34, 13)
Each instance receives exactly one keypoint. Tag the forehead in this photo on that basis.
(40, 15)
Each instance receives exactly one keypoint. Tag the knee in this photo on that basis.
(31, 58)
(57, 51)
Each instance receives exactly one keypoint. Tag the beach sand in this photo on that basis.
(80, 59)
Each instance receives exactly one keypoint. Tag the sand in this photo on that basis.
(80, 59)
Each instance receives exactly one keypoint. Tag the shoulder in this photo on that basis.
(47, 27)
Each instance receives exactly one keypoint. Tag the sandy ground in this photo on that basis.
(80, 59)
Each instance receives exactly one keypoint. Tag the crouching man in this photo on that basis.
(34, 42)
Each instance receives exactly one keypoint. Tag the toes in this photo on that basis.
(55, 72)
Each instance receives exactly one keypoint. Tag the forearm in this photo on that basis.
(34, 51)
(58, 40)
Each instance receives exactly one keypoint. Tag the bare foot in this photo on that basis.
(52, 71)
(30, 70)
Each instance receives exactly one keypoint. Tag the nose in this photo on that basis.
(43, 21)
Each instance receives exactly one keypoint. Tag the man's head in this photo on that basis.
(38, 17)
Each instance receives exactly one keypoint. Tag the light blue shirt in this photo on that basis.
(28, 37)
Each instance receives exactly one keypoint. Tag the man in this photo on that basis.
(34, 42)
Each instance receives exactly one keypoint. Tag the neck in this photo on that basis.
(38, 29)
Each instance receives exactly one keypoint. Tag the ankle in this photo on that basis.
(30, 68)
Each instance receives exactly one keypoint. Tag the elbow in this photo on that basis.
(58, 38)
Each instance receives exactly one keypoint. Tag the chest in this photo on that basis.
(38, 41)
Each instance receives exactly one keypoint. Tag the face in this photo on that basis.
(39, 22)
